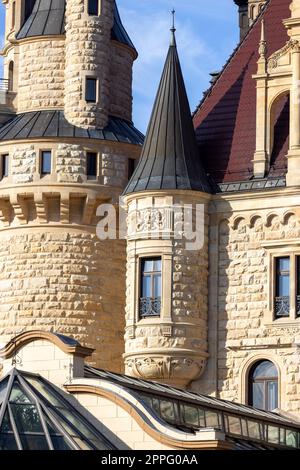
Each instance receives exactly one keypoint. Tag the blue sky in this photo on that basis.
(207, 32)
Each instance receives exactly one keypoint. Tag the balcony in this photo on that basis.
(282, 307)
(150, 307)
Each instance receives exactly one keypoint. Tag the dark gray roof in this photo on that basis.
(48, 18)
(54, 124)
(35, 415)
(153, 393)
(170, 157)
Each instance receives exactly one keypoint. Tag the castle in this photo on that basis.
(222, 319)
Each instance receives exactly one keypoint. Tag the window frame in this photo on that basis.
(96, 176)
(265, 380)
(98, 8)
(281, 273)
(3, 174)
(96, 80)
(153, 274)
(43, 174)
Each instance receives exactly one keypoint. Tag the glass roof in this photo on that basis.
(34, 415)
(191, 412)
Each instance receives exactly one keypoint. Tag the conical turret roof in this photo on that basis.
(170, 157)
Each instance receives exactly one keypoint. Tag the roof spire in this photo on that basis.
(173, 29)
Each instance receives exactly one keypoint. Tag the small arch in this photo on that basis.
(237, 222)
(245, 371)
(279, 126)
(263, 385)
(252, 12)
(287, 217)
(270, 219)
(11, 84)
(254, 219)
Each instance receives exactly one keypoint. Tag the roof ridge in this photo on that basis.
(239, 45)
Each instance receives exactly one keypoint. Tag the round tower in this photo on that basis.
(57, 165)
(167, 201)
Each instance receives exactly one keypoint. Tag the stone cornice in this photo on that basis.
(14, 345)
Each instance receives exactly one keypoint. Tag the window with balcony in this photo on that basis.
(150, 290)
(282, 294)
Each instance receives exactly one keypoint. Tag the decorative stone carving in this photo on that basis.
(176, 370)
(150, 220)
(273, 61)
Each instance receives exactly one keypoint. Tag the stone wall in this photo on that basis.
(41, 74)
(121, 82)
(67, 281)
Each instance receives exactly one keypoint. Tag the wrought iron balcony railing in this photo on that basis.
(282, 307)
(4, 84)
(150, 307)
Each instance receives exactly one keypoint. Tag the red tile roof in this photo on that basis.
(226, 120)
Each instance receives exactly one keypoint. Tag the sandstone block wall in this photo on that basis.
(41, 74)
(121, 82)
(64, 280)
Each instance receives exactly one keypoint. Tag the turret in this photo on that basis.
(66, 148)
(166, 309)
(248, 12)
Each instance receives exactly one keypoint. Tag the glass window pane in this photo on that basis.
(234, 424)
(258, 395)
(93, 7)
(46, 163)
(156, 405)
(27, 418)
(284, 264)
(8, 442)
(273, 434)
(212, 419)
(5, 426)
(18, 396)
(91, 165)
(190, 415)
(283, 286)
(272, 395)
(291, 438)
(157, 285)
(59, 443)
(254, 430)
(157, 265)
(44, 390)
(146, 292)
(282, 436)
(5, 160)
(91, 90)
(33, 442)
(265, 369)
(167, 410)
(244, 427)
(148, 266)
(3, 386)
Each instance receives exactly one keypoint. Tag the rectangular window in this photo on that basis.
(91, 90)
(282, 298)
(150, 298)
(93, 7)
(4, 165)
(13, 15)
(131, 167)
(91, 165)
(46, 158)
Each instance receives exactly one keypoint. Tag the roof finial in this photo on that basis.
(173, 29)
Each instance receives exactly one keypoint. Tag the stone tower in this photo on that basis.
(166, 321)
(67, 146)
(248, 12)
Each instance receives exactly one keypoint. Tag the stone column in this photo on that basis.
(88, 46)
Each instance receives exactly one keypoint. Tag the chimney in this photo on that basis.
(243, 17)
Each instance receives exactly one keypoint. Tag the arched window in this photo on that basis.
(263, 386)
(11, 76)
